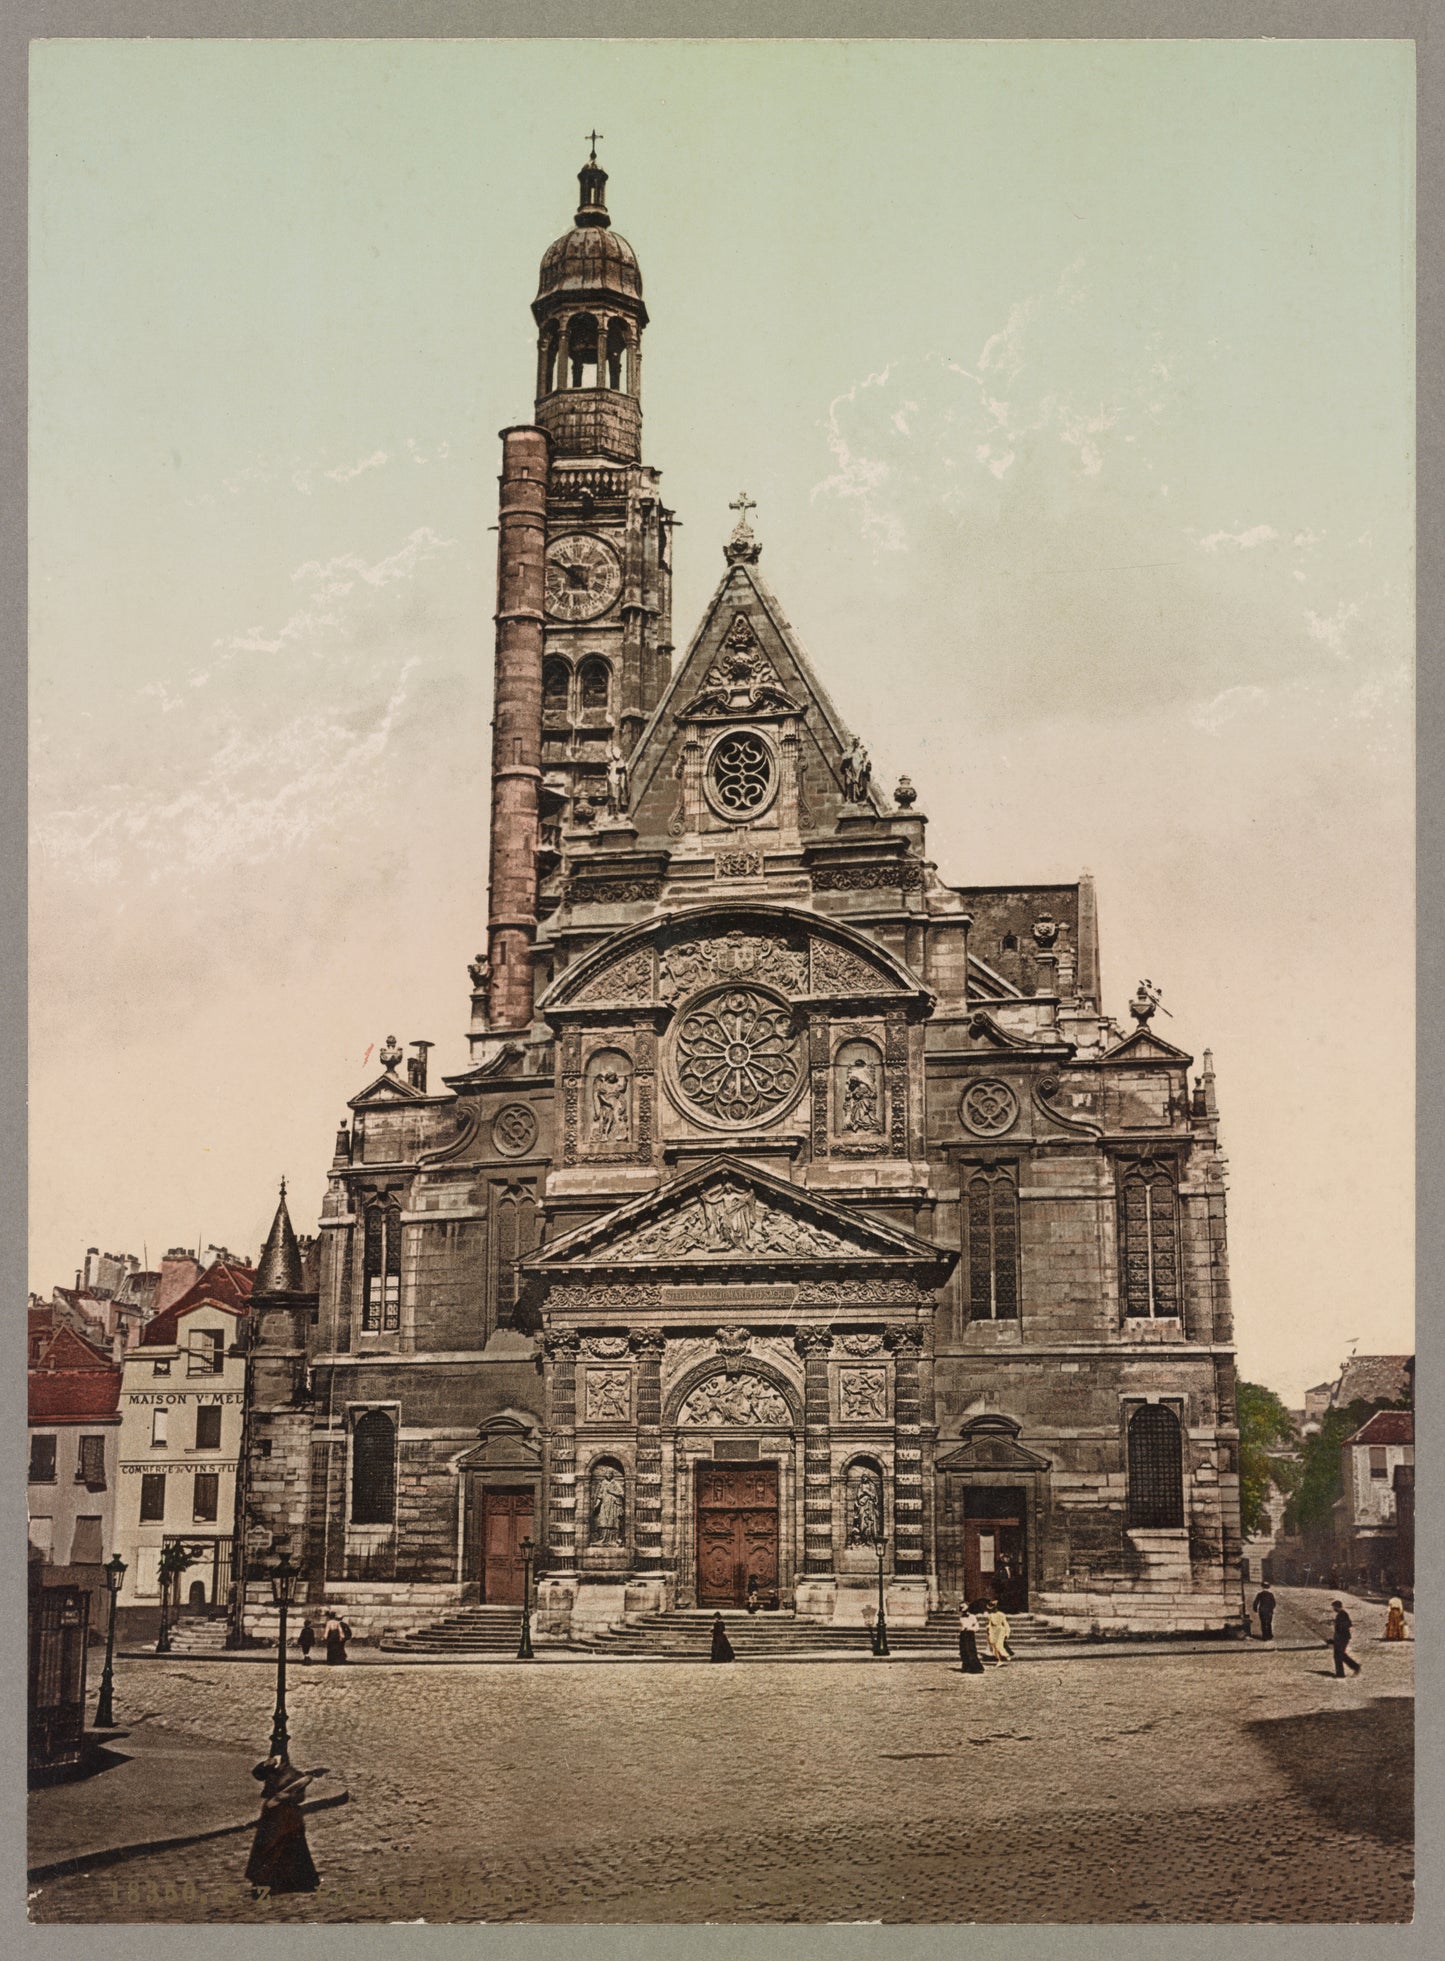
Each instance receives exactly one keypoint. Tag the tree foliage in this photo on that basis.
(1266, 1432)
(1321, 1473)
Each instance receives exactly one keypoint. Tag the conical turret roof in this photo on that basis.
(279, 1268)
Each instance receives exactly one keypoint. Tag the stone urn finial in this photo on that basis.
(390, 1054)
(905, 796)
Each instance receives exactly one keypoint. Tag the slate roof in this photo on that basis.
(226, 1285)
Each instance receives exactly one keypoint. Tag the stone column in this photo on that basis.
(561, 1349)
(647, 1345)
(906, 1342)
(814, 1345)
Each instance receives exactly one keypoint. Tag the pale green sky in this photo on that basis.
(1074, 384)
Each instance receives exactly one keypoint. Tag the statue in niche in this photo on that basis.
(865, 1509)
(860, 1089)
(857, 773)
(608, 1489)
(610, 1099)
(617, 782)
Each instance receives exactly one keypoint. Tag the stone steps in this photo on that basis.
(690, 1634)
(199, 1637)
(467, 1630)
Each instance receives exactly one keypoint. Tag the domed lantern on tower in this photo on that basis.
(590, 318)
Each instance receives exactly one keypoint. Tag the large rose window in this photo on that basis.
(736, 1057)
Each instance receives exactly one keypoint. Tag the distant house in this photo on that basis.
(1364, 1378)
(1367, 1535)
(74, 1417)
(181, 1419)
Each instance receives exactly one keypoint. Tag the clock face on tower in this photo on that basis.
(583, 577)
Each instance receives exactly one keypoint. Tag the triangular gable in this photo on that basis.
(786, 675)
(388, 1088)
(1145, 1046)
(990, 1443)
(68, 1350)
(726, 1213)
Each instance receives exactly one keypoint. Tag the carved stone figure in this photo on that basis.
(862, 1395)
(865, 1510)
(608, 1491)
(607, 1399)
(479, 969)
(857, 773)
(741, 1399)
(612, 1106)
(860, 1095)
(617, 782)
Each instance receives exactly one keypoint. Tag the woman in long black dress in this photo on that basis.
(722, 1648)
(280, 1860)
(968, 1654)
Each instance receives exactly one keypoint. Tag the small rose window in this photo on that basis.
(742, 775)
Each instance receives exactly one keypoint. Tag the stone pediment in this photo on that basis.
(727, 1214)
(1144, 1046)
(990, 1443)
(508, 1443)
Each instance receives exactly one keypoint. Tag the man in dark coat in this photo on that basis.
(722, 1648)
(1264, 1606)
(1340, 1640)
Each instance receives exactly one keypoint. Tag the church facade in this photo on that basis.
(798, 1211)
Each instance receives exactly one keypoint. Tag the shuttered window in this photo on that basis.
(1156, 1467)
(90, 1468)
(152, 1496)
(373, 1469)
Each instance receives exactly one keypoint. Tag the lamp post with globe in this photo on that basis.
(283, 1586)
(880, 1631)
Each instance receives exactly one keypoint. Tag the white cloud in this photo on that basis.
(332, 581)
(1259, 534)
(344, 472)
(1228, 707)
(1333, 628)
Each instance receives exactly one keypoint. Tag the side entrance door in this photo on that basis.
(737, 1531)
(994, 1563)
(507, 1519)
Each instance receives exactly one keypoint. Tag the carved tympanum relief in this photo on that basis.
(728, 1217)
(730, 1400)
(773, 959)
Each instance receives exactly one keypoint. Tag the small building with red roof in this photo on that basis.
(182, 1407)
(1367, 1523)
(74, 1415)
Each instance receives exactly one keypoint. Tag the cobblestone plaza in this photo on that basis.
(1141, 1786)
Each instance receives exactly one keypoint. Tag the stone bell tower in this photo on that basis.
(584, 589)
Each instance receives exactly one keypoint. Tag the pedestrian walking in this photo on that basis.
(998, 1634)
(722, 1648)
(280, 1860)
(1264, 1606)
(1395, 1628)
(1340, 1640)
(306, 1639)
(337, 1635)
(754, 1598)
(968, 1656)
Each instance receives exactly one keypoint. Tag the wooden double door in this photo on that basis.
(737, 1532)
(508, 1515)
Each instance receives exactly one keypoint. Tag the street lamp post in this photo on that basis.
(880, 1633)
(524, 1646)
(104, 1710)
(283, 1581)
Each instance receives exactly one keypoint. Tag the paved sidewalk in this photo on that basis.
(150, 1790)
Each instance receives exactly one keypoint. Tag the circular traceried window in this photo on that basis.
(742, 775)
(737, 1058)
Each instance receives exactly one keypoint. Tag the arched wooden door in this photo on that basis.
(508, 1515)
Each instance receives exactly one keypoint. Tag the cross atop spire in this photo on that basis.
(594, 138)
(742, 547)
(593, 179)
